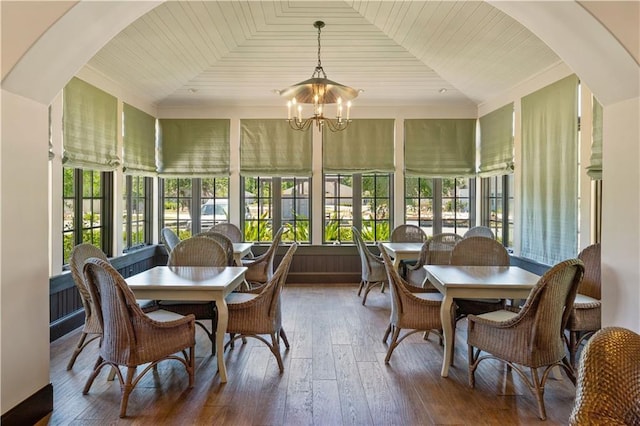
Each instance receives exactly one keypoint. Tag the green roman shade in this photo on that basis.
(90, 127)
(194, 147)
(496, 142)
(594, 170)
(440, 147)
(272, 148)
(139, 142)
(366, 146)
(549, 231)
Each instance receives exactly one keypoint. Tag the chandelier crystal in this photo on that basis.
(319, 91)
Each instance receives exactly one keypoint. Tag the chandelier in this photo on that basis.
(319, 91)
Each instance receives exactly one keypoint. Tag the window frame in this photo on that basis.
(146, 221)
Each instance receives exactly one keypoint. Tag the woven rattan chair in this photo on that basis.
(407, 233)
(224, 241)
(373, 272)
(230, 230)
(260, 268)
(608, 388)
(478, 251)
(440, 247)
(197, 251)
(531, 337)
(416, 274)
(169, 238)
(585, 316)
(253, 315)
(132, 338)
(412, 308)
(92, 328)
(479, 231)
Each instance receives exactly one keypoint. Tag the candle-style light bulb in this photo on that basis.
(289, 110)
(348, 109)
(339, 115)
(299, 113)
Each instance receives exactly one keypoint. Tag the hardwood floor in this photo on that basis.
(334, 375)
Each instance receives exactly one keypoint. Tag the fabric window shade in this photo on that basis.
(550, 172)
(194, 147)
(366, 146)
(90, 121)
(272, 148)
(440, 147)
(139, 142)
(594, 170)
(496, 142)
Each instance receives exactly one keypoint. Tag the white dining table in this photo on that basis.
(241, 250)
(402, 251)
(475, 282)
(192, 283)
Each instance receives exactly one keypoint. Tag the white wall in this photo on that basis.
(41, 73)
(24, 273)
(621, 215)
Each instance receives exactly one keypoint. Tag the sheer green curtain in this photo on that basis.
(272, 148)
(496, 142)
(139, 142)
(90, 121)
(366, 146)
(549, 231)
(194, 147)
(440, 147)
(594, 170)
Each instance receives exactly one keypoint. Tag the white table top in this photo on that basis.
(186, 278)
(494, 277)
(402, 248)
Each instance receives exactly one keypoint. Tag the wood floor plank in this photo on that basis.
(334, 374)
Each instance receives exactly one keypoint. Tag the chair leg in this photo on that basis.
(473, 364)
(573, 346)
(275, 349)
(394, 343)
(360, 287)
(283, 335)
(77, 350)
(126, 391)
(386, 334)
(538, 389)
(191, 369)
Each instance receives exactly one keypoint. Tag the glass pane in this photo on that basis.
(338, 208)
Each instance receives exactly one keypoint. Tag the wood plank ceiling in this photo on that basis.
(237, 53)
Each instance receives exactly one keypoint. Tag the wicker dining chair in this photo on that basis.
(256, 314)
(260, 268)
(479, 231)
(440, 247)
(478, 251)
(412, 308)
(169, 238)
(224, 241)
(130, 337)
(585, 316)
(531, 337)
(373, 272)
(608, 388)
(230, 230)
(407, 233)
(197, 251)
(91, 328)
(415, 274)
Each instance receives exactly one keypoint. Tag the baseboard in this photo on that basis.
(31, 410)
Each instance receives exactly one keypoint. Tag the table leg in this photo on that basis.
(447, 330)
(221, 330)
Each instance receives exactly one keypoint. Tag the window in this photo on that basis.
(272, 202)
(498, 207)
(360, 200)
(440, 205)
(87, 208)
(180, 195)
(137, 212)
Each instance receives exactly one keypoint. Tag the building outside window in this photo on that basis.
(440, 205)
(360, 200)
(180, 195)
(87, 208)
(137, 212)
(273, 202)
